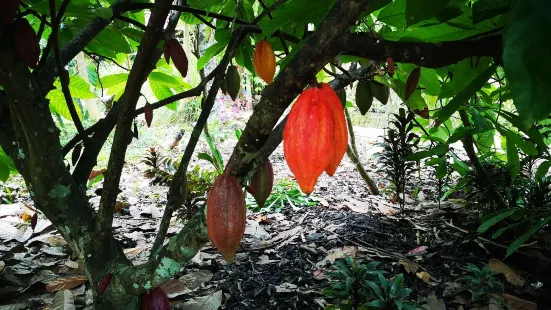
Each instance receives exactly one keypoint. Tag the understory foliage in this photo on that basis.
(357, 286)
(398, 144)
(472, 72)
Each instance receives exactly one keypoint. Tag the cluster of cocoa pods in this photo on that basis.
(315, 136)
(27, 42)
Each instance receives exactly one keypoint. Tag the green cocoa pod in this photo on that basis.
(380, 91)
(364, 97)
(233, 82)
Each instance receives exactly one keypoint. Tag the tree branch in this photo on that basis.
(60, 68)
(132, 22)
(292, 80)
(429, 55)
(267, 11)
(176, 198)
(123, 134)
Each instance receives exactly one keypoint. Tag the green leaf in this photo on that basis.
(437, 33)
(114, 79)
(165, 79)
(513, 162)
(430, 81)
(526, 60)
(212, 5)
(296, 12)
(210, 52)
(93, 75)
(486, 9)
(419, 155)
(394, 14)
(542, 170)
(78, 87)
(465, 94)
(419, 10)
(496, 219)
(397, 285)
(440, 149)
(441, 170)
(160, 90)
(524, 237)
(59, 105)
(459, 134)
(375, 5)
(467, 70)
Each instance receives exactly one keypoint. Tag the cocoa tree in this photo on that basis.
(443, 38)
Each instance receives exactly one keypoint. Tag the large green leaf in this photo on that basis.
(114, 79)
(59, 105)
(165, 79)
(436, 33)
(466, 93)
(526, 58)
(485, 9)
(513, 162)
(211, 5)
(524, 237)
(465, 71)
(210, 52)
(78, 87)
(7, 166)
(296, 11)
(419, 10)
(430, 81)
(495, 219)
(394, 14)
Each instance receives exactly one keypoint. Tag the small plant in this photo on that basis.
(398, 144)
(482, 282)
(285, 192)
(357, 287)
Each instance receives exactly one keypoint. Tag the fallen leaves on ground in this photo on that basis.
(498, 266)
(65, 283)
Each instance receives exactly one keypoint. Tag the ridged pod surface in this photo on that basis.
(226, 212)
(155, 300)
(314, 135)
(261, 183)
(340, 139)
(264, 61)
(26, 42)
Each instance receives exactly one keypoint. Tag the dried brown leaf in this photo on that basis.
(65, 283)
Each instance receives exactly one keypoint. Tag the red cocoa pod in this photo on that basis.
(104, 284)
(148, 114)
(264, 61)
(34, 220)
(390, 66)
(166, 51)
(9, 10)
(226, 212)
(26, 42)
(412, 82)
(155, 300)
(178, 56)
(315, 135)
(76, 153)
(261, 183)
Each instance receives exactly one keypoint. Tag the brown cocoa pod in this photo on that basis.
(76, 153)
(178, 56)
(34, 220)
(9, 10)
(26, 42)
(148, 114)
(104, 284)
(261, 183)
(226, 212)
(423, 113)
(166, 51)
(390, 66)
(412, 82)
(155, 300)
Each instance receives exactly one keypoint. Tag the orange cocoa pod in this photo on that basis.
(9, 10)
(261, 183)
(26, 42)
(104, 284)
(178, 56)
(308, 137)
(412, 82)
(390, 66)
(155, 300)
(148, 114)
(340, 142)
(264, 61)
(226, 212)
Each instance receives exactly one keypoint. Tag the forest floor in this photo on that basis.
(285, 256)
